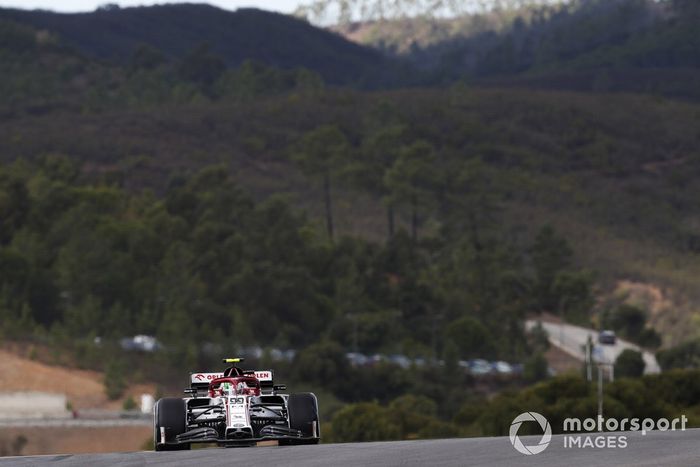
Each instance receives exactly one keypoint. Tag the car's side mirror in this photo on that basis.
(279, 387)
(190, 391)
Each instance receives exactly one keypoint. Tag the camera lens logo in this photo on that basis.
(530, 417)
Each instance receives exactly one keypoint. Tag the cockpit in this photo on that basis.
(234, 386)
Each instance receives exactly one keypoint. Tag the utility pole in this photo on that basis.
(437, 317)
(611, 368)
(589, 363)
(600, 392)
(561, 334)
(354, 332)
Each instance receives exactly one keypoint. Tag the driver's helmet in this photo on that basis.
(227, 390)
(244, 388)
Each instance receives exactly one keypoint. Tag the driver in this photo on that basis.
(227, 390)
(244, 388)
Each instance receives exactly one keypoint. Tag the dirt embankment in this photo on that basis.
(83, 388)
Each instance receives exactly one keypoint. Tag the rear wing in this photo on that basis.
(265, 377)
(199, 382)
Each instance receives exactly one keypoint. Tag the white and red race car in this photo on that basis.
(236, 407)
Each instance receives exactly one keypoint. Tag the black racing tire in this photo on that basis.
(302, 409)
(170, 413)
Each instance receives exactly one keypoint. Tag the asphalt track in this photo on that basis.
(655, 449)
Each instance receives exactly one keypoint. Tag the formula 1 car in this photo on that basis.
(235, 408)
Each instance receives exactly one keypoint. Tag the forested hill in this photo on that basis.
(583, 45)
(247, 34)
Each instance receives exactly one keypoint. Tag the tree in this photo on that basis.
(364, 422)
(377, 155)
(14, 274)
(572, 292)
(108, 7)
(412, 179)
(320, 155)
(323, 363)
(347, 11)
(412, 413)
(201, 66)
(535, 368)
(14, 205)
(629, 364)
(687, 10)
(539, 338)
(628, 320)
(146, 57)
(468, 200)
(471, 337)
(551, 254)
(115, 380)
(252, 79)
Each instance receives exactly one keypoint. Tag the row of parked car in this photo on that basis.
(476, 367)
(480, 367)
(278, 355)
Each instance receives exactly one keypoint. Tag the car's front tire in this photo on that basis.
(169, 413)
(302, 410)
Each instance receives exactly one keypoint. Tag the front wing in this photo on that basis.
(268, 433)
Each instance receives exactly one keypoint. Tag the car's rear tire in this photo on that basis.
(171, 414)
(302, 410)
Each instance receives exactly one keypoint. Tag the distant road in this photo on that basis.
(92, 418)
(76, 422)
(572, 340)
(654, 449)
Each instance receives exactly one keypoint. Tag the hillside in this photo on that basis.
(247, 34)
(592, 46)
(543, 157)
(84, 389)
(248, 208)
(560, 161)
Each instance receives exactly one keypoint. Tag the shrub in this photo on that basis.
(364, 422)
(115, 382)
(629, 364)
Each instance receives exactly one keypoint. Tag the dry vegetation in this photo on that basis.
(84, 389)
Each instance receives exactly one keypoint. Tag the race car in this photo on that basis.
(235, 408)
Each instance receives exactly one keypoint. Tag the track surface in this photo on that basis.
(655, 449)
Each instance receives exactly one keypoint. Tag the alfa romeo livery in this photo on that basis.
(235, 407)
